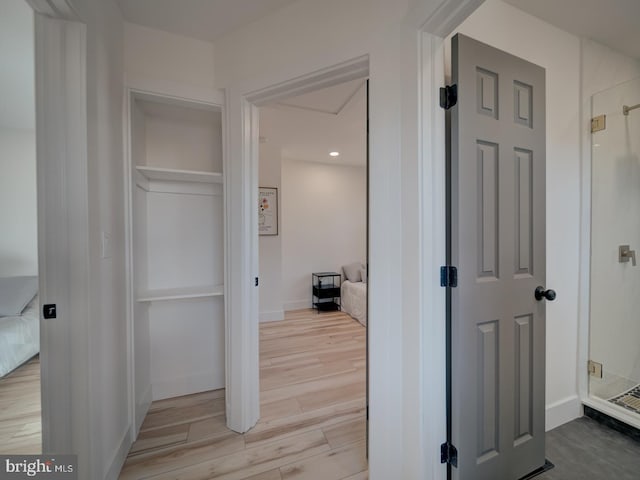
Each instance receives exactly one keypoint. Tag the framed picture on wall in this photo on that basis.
(268, 211)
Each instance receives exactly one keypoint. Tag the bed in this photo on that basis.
(353, 297)
(353, 292)
(19, 322)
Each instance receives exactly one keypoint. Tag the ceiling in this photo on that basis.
(309, 126)
(614, 23)
(611, 22)
(202, 19)
(17, 83)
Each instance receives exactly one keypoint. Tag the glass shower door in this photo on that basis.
(615, 243)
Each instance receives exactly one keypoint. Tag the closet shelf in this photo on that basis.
(180, 293)
(172, 175)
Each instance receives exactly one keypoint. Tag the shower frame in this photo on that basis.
(584, 289)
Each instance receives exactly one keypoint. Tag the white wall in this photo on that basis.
(602, 68)
(184, 241)
(195, 326)
(18, 198)
(322, 227)
(271, 308)
(163, 61)
(141, 328)
(509, 29)
(184, 249)
(322, 32)
(106, 350)
(324, 224)
(17, 82)
(188, 138)
(615, 197)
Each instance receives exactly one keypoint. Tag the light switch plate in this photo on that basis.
(106, 245)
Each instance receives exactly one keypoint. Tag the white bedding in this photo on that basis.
(19, 337)
(354, 300)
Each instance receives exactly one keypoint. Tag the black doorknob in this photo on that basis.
(541, 293)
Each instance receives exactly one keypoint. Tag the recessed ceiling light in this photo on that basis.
(334, 154)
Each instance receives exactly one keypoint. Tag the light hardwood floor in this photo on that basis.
(20, 413)
(312, 404)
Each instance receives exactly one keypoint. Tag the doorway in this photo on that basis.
(20, 415)
(313, 163)
(313, 171)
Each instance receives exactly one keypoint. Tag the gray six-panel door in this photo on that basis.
(497, 210)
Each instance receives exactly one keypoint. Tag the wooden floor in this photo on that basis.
(312, 404)
(312, 425)
(20, 417)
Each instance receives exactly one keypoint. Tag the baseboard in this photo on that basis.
(563, 411)
(274, 316)
(142, 408)
(297, 305)
(176, 387)
(118, 458)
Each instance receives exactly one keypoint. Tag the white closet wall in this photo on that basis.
(178, 249)
(141, 334)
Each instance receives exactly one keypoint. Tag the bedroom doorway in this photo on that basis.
(313, 262)
(20, 391)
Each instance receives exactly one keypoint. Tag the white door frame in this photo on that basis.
(63, 226)
(242, 386)
(418, 405)
(436, 25)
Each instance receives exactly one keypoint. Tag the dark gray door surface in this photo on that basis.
(497, 210)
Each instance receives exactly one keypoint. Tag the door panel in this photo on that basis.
(497, 210)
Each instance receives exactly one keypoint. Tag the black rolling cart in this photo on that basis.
(326, 291)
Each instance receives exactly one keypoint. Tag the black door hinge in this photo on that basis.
(449, 454)
(448, 96)
(448, 276)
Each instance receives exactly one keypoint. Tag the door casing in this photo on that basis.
(63, 226)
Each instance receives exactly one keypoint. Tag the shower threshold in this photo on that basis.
(629, 399)
(612, 422)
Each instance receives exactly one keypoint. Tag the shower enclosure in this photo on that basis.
(614, 333)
